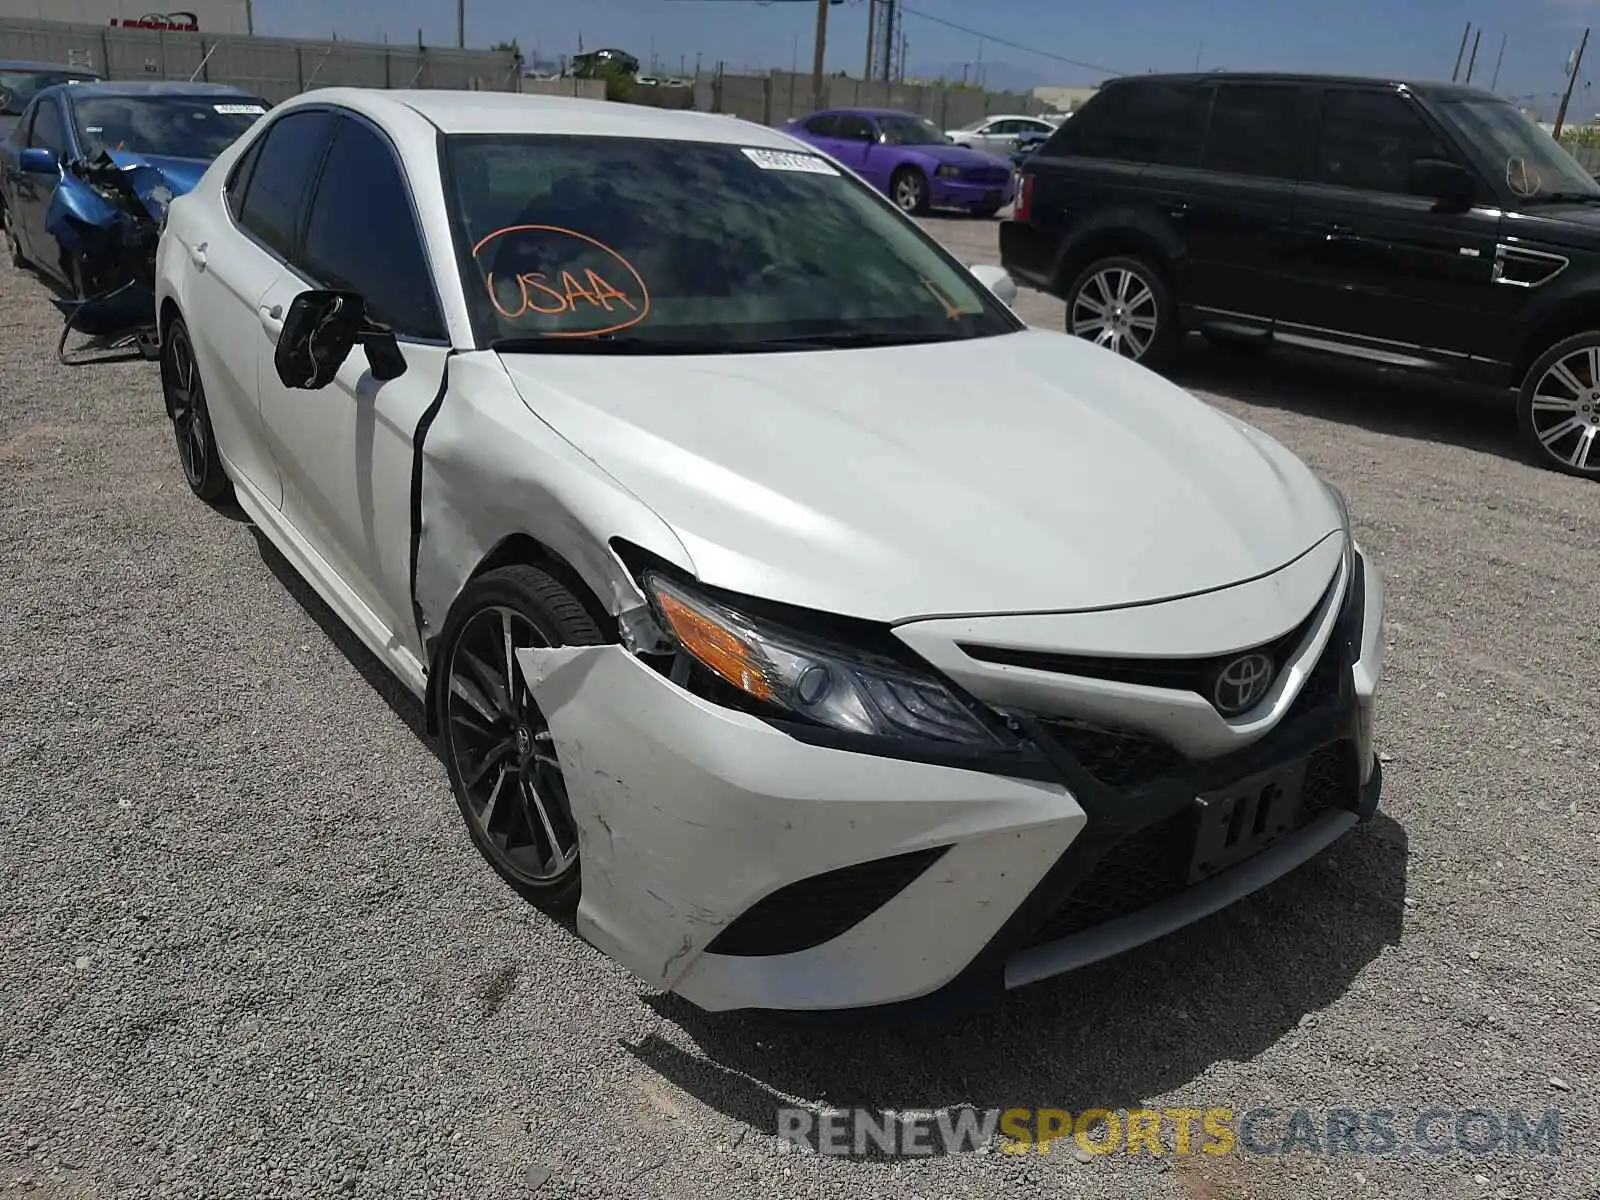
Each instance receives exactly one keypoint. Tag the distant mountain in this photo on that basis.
(997, 76)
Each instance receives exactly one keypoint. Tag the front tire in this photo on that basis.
(185, 395)
(1123, 303)
(502, 760)
(1558, 406)
(908, 188)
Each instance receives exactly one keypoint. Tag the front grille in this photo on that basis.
(1118, 758)
(1149, 865)
(988, 175)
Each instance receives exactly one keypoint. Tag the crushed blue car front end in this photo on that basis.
(107, 215)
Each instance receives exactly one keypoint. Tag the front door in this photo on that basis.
(236, 264)
(346, 452)
(1375, 267)
(854, 140)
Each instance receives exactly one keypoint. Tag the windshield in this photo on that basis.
(634, 245)
(18, 88)
(911, 131)
(1511, 147)
(172, 126)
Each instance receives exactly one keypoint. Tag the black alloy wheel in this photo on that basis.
(191, 420)
(498, 748)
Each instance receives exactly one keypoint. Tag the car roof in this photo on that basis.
(18, 64)
(515, 112)
(868, 112)
(1431, 88)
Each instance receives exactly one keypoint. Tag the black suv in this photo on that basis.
(1419, 225)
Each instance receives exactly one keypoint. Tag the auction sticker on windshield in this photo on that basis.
(239, 110)
(784, 160)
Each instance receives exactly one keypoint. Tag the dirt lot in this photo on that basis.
(246, 950)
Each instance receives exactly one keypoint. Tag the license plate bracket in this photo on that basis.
(1240, 821)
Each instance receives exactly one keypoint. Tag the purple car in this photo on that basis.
(909, 159)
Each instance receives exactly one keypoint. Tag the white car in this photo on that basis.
(820, 633)
(998, 134)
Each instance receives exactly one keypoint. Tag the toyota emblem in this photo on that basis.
(1241, 684)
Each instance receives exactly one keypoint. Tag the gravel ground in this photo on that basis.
(246, 950)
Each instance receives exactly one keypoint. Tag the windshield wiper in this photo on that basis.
(1563, 198)
(606, 344)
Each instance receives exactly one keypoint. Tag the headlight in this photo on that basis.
(828, 684)
(948, 172)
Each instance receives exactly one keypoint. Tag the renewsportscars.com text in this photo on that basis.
(1177, 1131)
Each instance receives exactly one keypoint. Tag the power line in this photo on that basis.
(1000, 41)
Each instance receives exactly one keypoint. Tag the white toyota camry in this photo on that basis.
(819, 633)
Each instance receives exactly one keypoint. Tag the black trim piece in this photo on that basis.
(806, 914)
(424, 423)
(1021, 762)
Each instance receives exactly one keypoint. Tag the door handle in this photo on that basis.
(197, 255)
(271, 319)
(1337, 233)
(1177, 211)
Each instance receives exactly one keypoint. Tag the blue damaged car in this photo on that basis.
(86, 175)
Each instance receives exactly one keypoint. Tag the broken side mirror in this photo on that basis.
(319, 333)
(38, 160)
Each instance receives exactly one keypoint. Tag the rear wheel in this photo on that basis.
(1558, 407)
(1123, 304)
(185, 395)
(502, 760)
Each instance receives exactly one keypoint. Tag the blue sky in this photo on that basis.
(1397, 37)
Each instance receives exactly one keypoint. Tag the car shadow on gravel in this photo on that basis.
(379, 677)
(1112, 1035)
(1382, 400)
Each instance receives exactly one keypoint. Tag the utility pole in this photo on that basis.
(872, 35)
(890, 24)
(1572, 79)
(461, 24)
(1465, 34)
(1499, 58)
(819, 52)
(1473, 61)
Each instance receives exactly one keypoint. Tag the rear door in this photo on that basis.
(1378, 269)
(1225, 177)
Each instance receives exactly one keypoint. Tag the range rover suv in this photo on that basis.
(1429, 226)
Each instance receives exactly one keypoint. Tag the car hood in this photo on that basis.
(180, 174)
(1030, 472)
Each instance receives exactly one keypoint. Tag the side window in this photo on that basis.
(856, 129)
(1256, 129)
(47, 128)
(1370, 139)
(1096, 131)
(239, 180)
(1155, 122)
(285, 167)
(363, 236)
(1005, 128)
(824, 126)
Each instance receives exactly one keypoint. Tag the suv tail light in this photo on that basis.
(1024, 200)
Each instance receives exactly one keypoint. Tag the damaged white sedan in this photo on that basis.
(819, 633)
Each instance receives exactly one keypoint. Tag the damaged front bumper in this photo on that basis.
(740, 867)
(106, 216)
